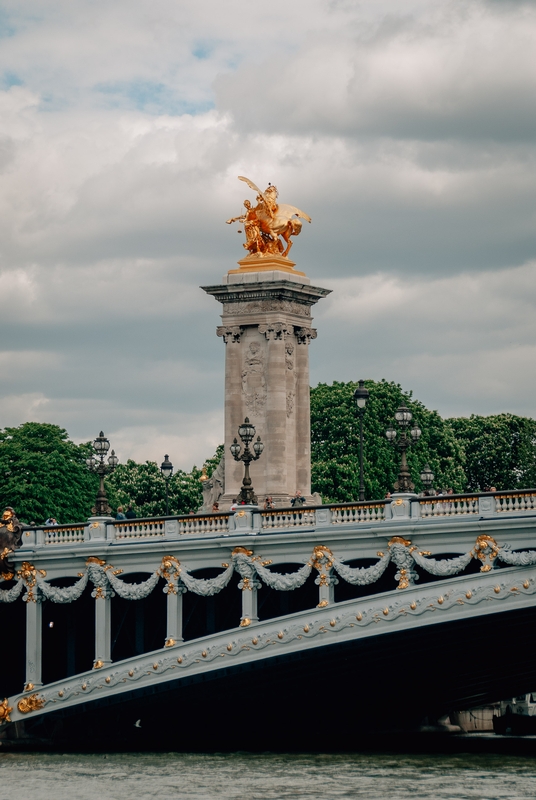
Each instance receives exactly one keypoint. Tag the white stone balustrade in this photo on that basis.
(64, 534)
(448, 506)
(139, 529)
(253, 520)
(369, 512)
(515, 502)
(288, 518)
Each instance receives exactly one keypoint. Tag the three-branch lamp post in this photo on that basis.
(361, 396)
(101, 445)
(403, 416)
(246, 431)
(166, 468)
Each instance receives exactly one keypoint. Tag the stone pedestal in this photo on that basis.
(266, 327)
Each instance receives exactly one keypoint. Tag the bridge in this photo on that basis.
(269, 627)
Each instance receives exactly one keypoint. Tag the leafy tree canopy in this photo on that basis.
(335, 442)
(143, 487)
(44, 474)
(500, 451)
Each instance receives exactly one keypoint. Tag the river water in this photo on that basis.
(176, 776)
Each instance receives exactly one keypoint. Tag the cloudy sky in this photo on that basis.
(405, 128)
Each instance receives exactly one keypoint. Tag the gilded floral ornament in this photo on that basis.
(486, 550)
(5, 710)
(268, 223)
(31, 703)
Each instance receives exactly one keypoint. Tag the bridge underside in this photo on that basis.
(322, 698)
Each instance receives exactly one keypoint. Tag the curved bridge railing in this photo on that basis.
(363, 513)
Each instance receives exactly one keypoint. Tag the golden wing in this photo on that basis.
(251, 185)
(288, 211)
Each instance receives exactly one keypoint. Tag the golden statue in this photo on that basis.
(268, 223)
(10, 540)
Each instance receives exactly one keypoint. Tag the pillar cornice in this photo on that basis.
(279, 291)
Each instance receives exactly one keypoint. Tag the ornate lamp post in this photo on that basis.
(403, 417)
(427, 478)
(101, 445)
(361, 396)
(166, 468)
(246, 431)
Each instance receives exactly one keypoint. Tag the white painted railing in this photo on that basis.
(515, 502)
(192, 524)
(139, 529)
(288, 518)
(371, 512)
(448, 506)
(198, 525)
(486, 504)
(64, 535)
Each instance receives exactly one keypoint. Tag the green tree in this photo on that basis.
(500, 450)
(335, 442)
(143, 486)
(43, 473)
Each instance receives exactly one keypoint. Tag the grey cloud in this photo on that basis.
(465, 72)
(111, 218)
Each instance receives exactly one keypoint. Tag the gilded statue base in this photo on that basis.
(267, 263)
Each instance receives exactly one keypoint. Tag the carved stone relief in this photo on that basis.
(230, 333)
(270, 304)
(290, 403)
(289, 363)
(289, 355)
(253, 379)
(276, 330)
(304, 335)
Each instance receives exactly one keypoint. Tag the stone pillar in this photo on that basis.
(103, 628)
(174, 614)
(326, 589)
(266, 327)
(249, 587)
(34, 638)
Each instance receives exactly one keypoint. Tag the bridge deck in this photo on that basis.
(342, 585)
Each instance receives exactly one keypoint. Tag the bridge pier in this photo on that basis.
(34, 639)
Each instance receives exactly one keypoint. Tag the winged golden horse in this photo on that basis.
(269, 222)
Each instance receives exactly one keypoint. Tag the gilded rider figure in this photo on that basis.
(269, 222)
(254, 242)
(10, 540)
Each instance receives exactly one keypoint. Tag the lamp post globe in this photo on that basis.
(427, 477)
(361, 396)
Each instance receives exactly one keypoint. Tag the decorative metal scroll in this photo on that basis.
(178, 579)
